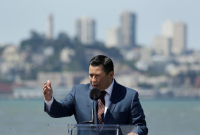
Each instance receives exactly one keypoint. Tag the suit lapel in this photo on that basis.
(113, 101)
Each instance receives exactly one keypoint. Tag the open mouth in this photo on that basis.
(95, 86)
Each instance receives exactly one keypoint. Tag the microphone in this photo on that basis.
(95, 94)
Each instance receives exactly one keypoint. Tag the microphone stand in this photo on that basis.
(93, 119)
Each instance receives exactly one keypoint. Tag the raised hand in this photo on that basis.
(47, 91)
(132, 133)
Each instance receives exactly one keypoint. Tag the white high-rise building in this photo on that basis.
(113, 37)
(85, 30)
(162, 45)
(179, 39)
(49, 32)
(176, 34)
(128, 29)
(168, 29)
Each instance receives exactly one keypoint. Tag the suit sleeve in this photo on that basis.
(66, 107)
(137, 116)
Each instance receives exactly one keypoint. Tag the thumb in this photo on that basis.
(49, 83)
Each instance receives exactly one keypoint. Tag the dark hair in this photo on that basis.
(104, 61)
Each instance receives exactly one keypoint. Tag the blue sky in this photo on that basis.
(18, 17)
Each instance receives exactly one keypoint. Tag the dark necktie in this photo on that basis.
(101, 107)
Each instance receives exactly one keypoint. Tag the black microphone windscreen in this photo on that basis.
(95, 94)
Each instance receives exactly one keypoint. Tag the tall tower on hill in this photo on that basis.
(49, 31)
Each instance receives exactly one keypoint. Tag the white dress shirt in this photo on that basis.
(49, 103)
(106, 97)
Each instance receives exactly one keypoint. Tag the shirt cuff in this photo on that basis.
(49, 103)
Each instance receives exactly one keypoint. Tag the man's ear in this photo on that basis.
(111, 74)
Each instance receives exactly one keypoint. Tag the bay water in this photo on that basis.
(163, 116)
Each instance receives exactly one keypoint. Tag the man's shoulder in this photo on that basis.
(127, 93)
(127, 89)
(82, 86)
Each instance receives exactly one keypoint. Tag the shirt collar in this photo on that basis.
(109, 89)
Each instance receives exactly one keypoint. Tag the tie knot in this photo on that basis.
(103, 93)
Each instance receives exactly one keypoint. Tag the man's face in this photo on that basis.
(98, 78)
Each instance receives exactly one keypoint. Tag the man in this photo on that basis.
(117, 105)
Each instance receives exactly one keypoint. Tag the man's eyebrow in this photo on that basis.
(94, 74)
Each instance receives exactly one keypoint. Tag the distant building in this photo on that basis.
(48, 51)
(168, 29)
(172, 41)
(113, 37)
(65, 55)
(128, 29)
(38, 59)
(61, 78)
(158, 64)
(85, 30)
(49, 32)
(11, 54)
(197, 82)
(145, 54)
(179, 39)
(142, 65)
(10, 58)
(162, 46)
(130, 54)
(6, 88)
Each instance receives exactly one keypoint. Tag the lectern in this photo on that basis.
(91, 129)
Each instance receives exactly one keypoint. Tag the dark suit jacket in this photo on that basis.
(124, 107)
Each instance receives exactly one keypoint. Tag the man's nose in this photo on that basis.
(94, 79)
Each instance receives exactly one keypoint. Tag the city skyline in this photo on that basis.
(18, 19)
